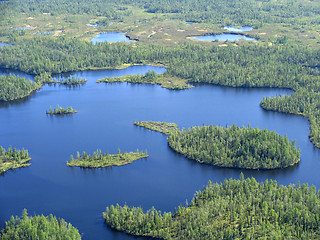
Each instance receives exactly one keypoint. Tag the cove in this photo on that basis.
(111, 37)
(105, 121)
(238, 29)
(224, 37)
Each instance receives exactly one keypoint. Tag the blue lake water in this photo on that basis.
(5, 44)
(238, 29)
(224, 37)
(22, 28)
(6, 72)
(47, 32)
(188, 23)
(105, 120)
(111, 37)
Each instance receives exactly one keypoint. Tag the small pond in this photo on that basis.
(238, 29)
(97, 25)
(5, 44)
(188, 23)
(224, 37)
(111, 37)
(22, 28)
(48, 32)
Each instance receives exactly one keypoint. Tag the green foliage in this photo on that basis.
(60, 111)
(38, 228)
(13, 158)
(162, 127)
(152, 78)
(13, 87)
(245, 12)
(98, 159)
(234, 209)
(235, 147)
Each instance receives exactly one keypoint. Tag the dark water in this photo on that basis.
(111, 37)
(7, 72)
(105, 120)
(224, 37)
(238, 29)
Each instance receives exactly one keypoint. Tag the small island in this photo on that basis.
(164, 80)
(61, 111)
(234, 209)
(98, 159)
(38, 227)
(69, 81)
(13, 158)
(232, 147)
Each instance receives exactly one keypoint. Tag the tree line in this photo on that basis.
(13, 87)
(234, 209)
(226, 12)
(38, 228)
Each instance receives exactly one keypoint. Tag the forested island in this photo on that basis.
(60, 110)
(234, 209)
(233, 146)
(151, 77)
(99, 159)
(13, 158)
(13, 87)
(38, 228)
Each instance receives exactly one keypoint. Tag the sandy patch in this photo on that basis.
(223, 45)
(261, 33)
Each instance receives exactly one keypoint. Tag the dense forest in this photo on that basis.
(246, 12)
(235, 147)
(38, 228)
(234, 209)
(99, 159)
(13, 158)
(13, 87)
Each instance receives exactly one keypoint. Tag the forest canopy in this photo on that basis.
(38, 228)
(234, 209)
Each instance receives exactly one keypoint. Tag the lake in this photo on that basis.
(224, 37)
(238, 29)
(111, 37)
(105, 121)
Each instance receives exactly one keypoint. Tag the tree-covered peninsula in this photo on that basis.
(38, 228)
(60, 110)
(13, 158)
(233, 146)
(165, 81)
(234, 209)
(13, 87)
(99, 159)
